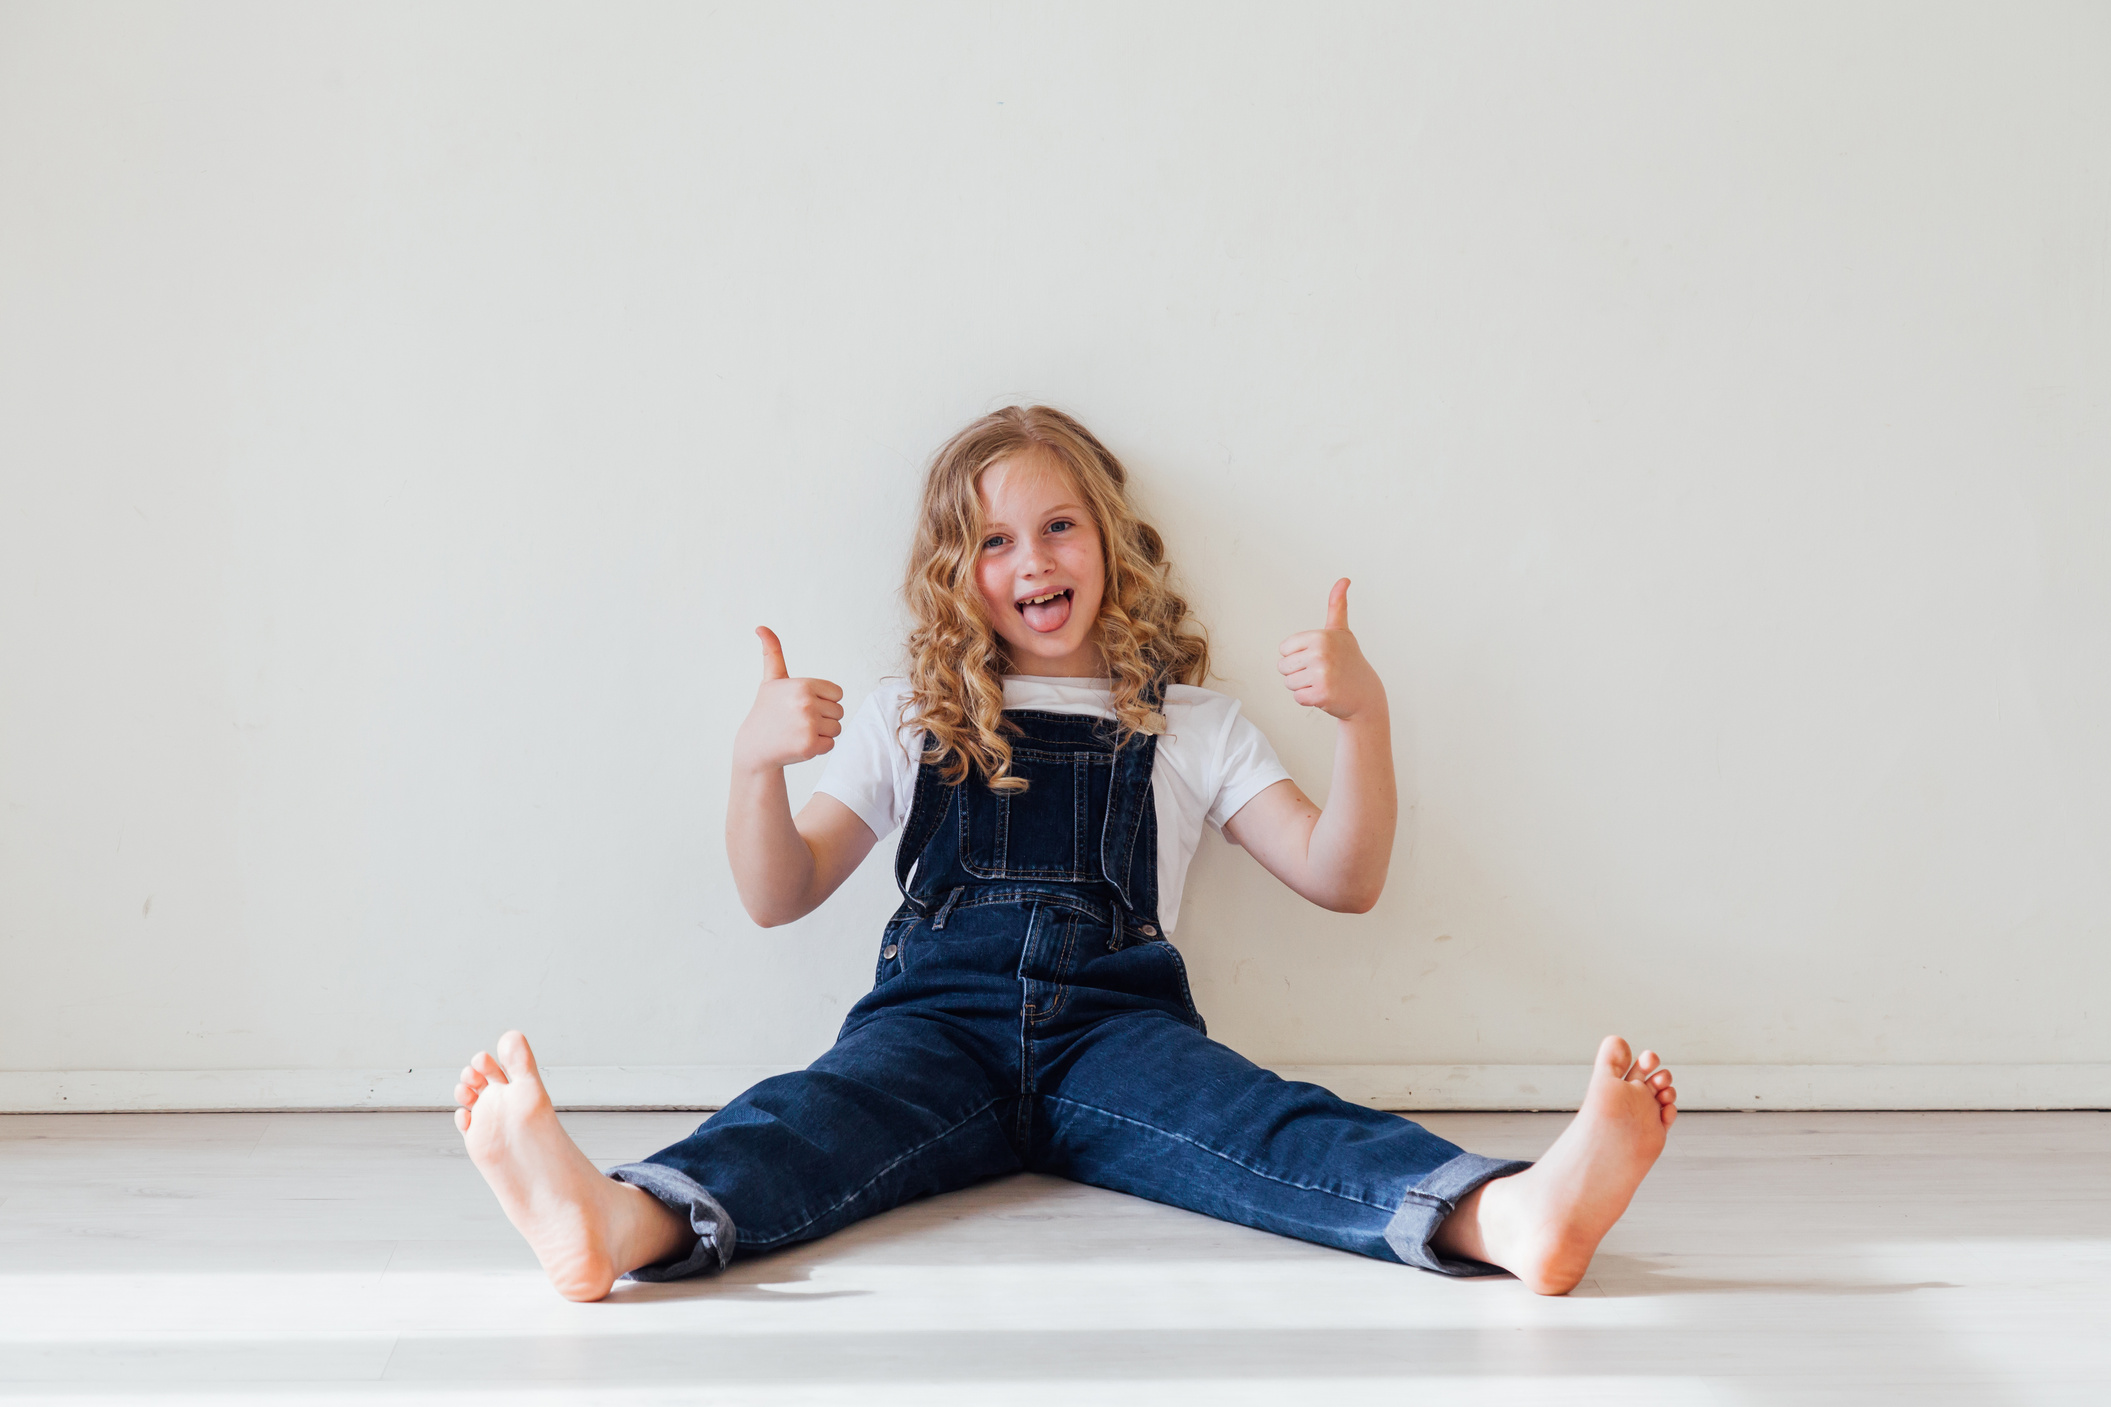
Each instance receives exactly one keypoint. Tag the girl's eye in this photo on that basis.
(1061, 525)
(992, 543)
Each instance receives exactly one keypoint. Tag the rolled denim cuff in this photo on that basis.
(716, 1236)
(1435, 1197)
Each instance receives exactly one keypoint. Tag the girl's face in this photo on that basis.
(1040, 572)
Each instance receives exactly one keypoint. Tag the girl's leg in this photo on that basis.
(897, 1109)
(1150, 1106)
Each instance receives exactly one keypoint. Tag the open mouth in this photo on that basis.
(1049, 611)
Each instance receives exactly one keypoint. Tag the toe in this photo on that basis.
(461, 1120)
(464, 1096)
(513, 1049)
(1660, 1077)
(1616, 1055)
(1648, 1064)
(472, 1078)
(489, 1068)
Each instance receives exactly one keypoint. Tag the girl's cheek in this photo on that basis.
(989, 583)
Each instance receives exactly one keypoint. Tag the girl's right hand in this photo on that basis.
(792, 720)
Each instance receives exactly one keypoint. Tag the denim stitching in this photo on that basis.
(1096, 912)
(1062, 999)
(1095, 759)
(1147, 886)
(1026, 1017)
(1128, 860)
(1062, 967)
(1080, 788)
(1147, 806)
(1146, 757)
(1180, 966)
(1112, 817)
(760, 1242)
(967, 844)
(1002, 869)
(1226, 1157)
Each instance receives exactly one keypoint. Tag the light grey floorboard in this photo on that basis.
(1806, 1258)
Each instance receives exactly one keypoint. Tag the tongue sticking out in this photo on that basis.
(1048, 616)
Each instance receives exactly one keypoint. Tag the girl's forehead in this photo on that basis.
(1026, 481)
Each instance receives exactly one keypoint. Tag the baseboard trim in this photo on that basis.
(1407, 1088)
(1410, 1088)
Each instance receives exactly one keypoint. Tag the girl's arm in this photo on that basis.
(785, 867)
(1337, 858)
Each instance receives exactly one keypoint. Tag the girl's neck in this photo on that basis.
(1085, 664)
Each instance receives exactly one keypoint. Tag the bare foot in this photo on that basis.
(1543, 1224)
(585, 1229)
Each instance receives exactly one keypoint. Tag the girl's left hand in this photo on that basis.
(1325, 668)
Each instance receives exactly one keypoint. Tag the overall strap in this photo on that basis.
(927, 812)
(1128, 864)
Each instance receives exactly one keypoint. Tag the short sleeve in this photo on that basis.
(870, 769)
(1246, 767)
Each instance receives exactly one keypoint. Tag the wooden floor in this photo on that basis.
(341, 1258)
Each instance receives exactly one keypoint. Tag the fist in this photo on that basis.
(1325, 668)
(792, 720)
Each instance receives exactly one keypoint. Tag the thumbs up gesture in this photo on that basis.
(1325, 668)
(792, 720)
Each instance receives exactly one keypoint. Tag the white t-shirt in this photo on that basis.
(1211, 761)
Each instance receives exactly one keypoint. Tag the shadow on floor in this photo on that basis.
(763, 1279)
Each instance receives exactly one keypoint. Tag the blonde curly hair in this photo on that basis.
(957, 661)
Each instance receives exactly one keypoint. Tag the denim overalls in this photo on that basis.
(1028, 1015)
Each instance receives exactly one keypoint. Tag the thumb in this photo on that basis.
(772, 654)
(1338, 606)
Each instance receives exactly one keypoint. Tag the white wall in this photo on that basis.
(407, 411)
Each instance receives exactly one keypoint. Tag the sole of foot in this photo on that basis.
(1543, 1225)
(583, 1227)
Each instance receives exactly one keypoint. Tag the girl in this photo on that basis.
(1051, 760)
